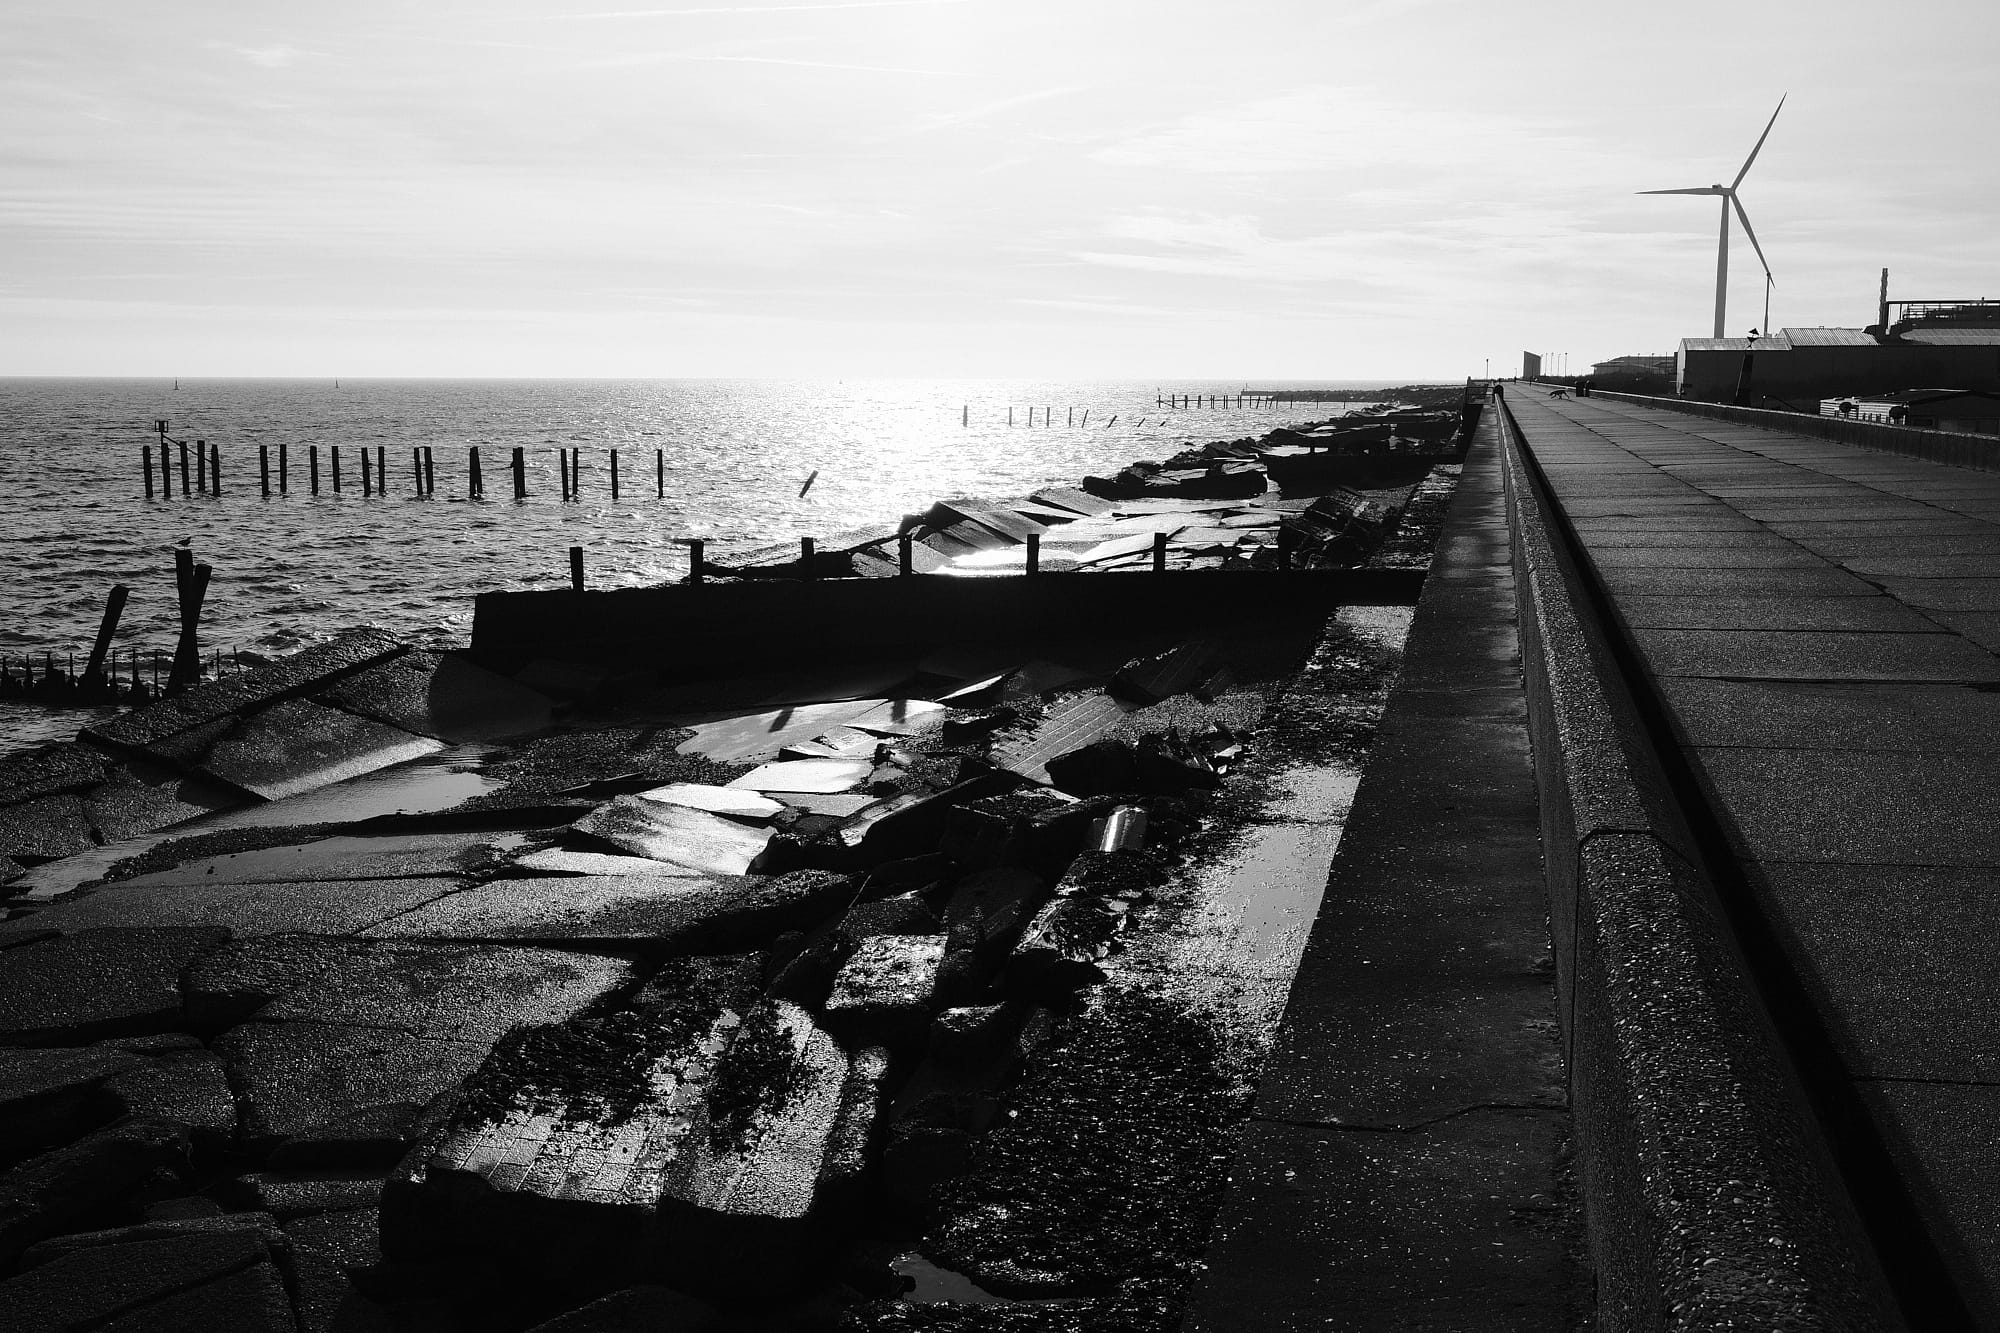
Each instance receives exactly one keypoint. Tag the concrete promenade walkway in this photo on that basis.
(1817, 629)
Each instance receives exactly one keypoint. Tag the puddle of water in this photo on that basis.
(935, 1285)
(435, 782)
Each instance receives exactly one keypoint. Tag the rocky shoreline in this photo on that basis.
(910, 994)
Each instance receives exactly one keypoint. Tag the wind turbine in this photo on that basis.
(1729, 200)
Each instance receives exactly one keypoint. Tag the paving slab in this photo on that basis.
(298, 745)
(1942, 1136)
(1898, 958)
(84, 1288)
(1956, 593)
(695, 839)
(1857, 717)
(1857, 807)
(332, 907)
(344, 857)
(97, 984)
(1822, 582)
(1817, 655)
(1872, 615)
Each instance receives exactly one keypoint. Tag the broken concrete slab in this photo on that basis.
(346, 857)
(126, 806)
(806, 775)
(297, 674)
(448, 992)
(298, 745)
(641, 1309)
(563, 861)
(252, 1300)
(289, 1194)
(298, 1075)
(260, 1226)
(691, 838)
(351, 1237)
(844, 1179)
(45, 829)
(882, 995)
(757, 736)
(100, 983)
(233, 982)
(184, 1088)
(83, 1288)
(50, 770)
(51, 1194)
(331, 907)
(47, 1094)
(443, 696)
(659, 915)
(715, 800)
(369, 1137)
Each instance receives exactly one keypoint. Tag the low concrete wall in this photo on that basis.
(1710, 1198)
(721, 625)
(1980, 452)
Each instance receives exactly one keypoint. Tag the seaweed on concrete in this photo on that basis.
(756, 1077)
(595, 1069)
(1108, 1164)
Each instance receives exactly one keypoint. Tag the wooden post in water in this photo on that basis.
(334, 452)
(1159, 553)
(382, 470)
(1072, 416)
(417, 469)
(166, 471)
(475, 485)
(430, 473)
(146, 467)
(1086, 417)
(520, 473)
(904, 561)
(367, 475)
(215, 470)
(264, 468)
(695, 547)
(201, 466)
(114, 606)
(806, 558)
(562, 464)
(965, 415)
(312, 469)
(576, 568)
(1034, 553)
(660, 472)
(186, 490)
(614, 474)
(576, 473)
(1010, 416)
(192, 582)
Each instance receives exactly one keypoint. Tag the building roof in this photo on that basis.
(1912, 397)
(1775, 343)
(1953, 337)
(1825, 337)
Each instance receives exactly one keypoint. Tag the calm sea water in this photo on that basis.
(291, 570)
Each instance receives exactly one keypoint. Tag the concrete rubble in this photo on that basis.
(712, 1004)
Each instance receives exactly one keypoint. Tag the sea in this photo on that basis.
(738, 463)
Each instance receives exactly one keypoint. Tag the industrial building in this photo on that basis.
(1938, 345)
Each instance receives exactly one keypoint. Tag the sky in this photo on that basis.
(1256, 190)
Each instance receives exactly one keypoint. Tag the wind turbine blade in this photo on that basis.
(1760, 144)
(1744, 218)
(1699, 189)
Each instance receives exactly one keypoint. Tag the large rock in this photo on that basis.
(244, 691)
(96, 984)
(659, 914)
(298, 745)
(691, 838)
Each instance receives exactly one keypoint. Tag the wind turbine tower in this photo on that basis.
(1729, 200)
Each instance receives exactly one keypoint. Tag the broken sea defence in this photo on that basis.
(801, 965)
